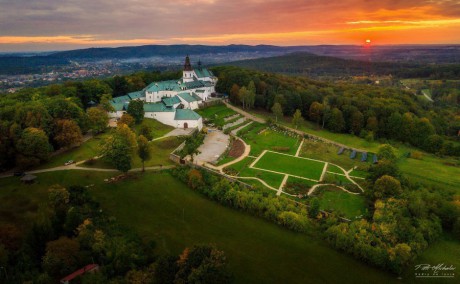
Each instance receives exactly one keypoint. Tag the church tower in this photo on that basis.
(188, 73)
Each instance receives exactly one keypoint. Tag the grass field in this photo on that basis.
(290, 165)
(165, 211)
(269, 140)
(271, 179)
(349, 205)
(216, 114)
(158, 129)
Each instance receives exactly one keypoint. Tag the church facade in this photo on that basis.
(173, 102)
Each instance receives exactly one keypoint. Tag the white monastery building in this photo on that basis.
(172, 102)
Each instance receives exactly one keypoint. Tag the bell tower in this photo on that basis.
(188, 73)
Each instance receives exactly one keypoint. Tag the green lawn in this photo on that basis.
(335, 178)
(87, 150)
(166, 211)
(269, 140)
(216, 114)
(327, 152)
(271, 179)
(160, 150)
(332, 199)
(158, 129)
(290, 165)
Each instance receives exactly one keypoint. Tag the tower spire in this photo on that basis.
(187, 65)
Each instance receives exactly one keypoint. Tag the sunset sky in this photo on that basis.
(66, 24)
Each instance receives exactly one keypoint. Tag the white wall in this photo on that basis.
(116, 114)
(163, 117)
(191, 123)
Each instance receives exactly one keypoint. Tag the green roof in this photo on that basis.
(203, 72)
(136, 95)
(170, 85)
(119, 106)
(199, 91)
(157, 107)
(187, 97)
(186, 114)
(121, 99)
(196, 97)
(170, 101)
(194, 84)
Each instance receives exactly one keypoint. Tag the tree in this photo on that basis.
(372, 124)
(118, 148)
(386, 186)
(277, 111)
(136, 110)
(434, 143)
(315, 112)
(297, 119)
(67, 133)
(105, 104)
(143, 150)
(165, 270)
(387, 152)
(234, 93)
(126, 119)
(98, 119)
(33, 147)
(336, 123)
(61, 256)
(146, 131)
(243, 96)
(313, 210)
(251, 94)
(357, 122)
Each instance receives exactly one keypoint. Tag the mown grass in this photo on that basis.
(290, 165)
(269, 140)
(216, 114)
(158, 129)
(346, 204)
(159, 150)
(271, 179)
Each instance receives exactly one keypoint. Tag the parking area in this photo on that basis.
(214, 145)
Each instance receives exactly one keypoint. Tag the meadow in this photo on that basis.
(163, 210)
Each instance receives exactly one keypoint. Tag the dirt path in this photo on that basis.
(244, 113)
(280, 189)
(313, 188)
(299, 149)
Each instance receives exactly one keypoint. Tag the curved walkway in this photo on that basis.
(313, 188)
(247, 150)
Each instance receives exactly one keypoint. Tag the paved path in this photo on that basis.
(247, 150)
(177, 132)
(235, 131)
(313, 188)
(299, 149)
(283, 183)
(324, 172)
(244, 113)
(215, 144)
(427, 97)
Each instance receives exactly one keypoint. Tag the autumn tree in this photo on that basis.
(105, 104)
(297, 119)
(387, 152)
(372, 124)
(336, 123)
(61, 257)
(386, 186)
(315, 112)
(126, 119)
(277, 111)
(67, 133)
(117, 149)
(146, 131)
(33, 147)
(251, 94)
(243, 96)
(136, 110)
(234, 93)
(98, 119)
(357, 122)
(143, 150)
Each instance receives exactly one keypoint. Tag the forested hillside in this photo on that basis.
(368, 111)
(308, 64)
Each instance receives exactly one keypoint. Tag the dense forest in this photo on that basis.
(371, 112)
(36, 121)
(311, 65)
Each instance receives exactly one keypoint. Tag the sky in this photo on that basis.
(27, 25)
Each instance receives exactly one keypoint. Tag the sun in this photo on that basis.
(368, 41)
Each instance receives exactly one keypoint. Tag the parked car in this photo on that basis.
(69, 162)
(19, 174)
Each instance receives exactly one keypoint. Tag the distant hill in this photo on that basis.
(308, 64)
(17, 64)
